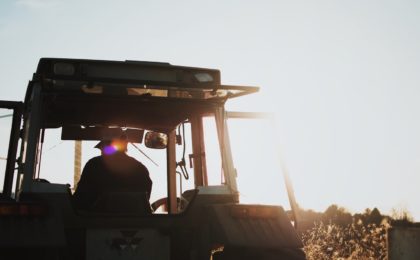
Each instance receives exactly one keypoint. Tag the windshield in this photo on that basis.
(59, 161)
(62, 161)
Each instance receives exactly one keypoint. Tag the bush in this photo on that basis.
(354, 241)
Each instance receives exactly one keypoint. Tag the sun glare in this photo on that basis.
(110, 149)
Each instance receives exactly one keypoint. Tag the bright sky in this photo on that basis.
(342, 76)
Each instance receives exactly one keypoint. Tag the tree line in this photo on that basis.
(337, 215)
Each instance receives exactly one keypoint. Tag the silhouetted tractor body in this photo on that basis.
(91, 100)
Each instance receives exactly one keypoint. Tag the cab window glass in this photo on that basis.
(185, 175)
(58, 162)
(213, 157)
(155, 162)
(256, 159)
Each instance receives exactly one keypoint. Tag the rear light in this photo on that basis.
(23, 209)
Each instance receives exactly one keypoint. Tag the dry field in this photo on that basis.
(355, 241)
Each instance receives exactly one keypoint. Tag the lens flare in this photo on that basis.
(110, 149)
(115, 146)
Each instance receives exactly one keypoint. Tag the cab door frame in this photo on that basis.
(17, 108)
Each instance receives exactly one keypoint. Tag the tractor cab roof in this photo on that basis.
(146, 95)
(135, 78)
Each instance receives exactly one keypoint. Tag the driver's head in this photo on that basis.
(109, 147)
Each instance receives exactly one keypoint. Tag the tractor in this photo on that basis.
(175, 118)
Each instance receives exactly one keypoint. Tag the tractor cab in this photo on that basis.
(175, 123)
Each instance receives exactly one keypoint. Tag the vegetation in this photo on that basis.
(355, 241)
(338, 235)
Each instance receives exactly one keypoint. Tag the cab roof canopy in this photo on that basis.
(139, 94)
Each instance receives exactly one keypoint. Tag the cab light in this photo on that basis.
(203, 77)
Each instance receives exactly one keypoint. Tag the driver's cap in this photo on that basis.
(103, 143)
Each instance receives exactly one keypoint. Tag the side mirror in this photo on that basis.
(155, 140)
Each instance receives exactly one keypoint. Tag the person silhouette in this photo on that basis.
(111, 172)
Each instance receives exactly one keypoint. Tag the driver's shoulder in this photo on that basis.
(95, 160)
(136, 162)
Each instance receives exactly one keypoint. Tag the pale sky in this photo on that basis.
(342, 76)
